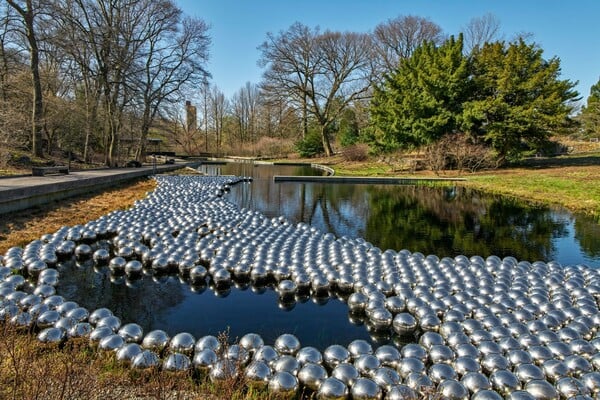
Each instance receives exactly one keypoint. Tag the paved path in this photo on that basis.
(18, 193)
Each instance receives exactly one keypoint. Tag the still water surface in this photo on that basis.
(430, 220)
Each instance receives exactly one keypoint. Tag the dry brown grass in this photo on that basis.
(20, 228)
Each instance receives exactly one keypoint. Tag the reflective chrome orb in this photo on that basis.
(251, 342)
(128, 352)
(258, 374)
(365, 389)
(176, 362)
(182, 343)
(283, 385)
(404, 323)
(287, 344)
(132, 333)
(312, 376)
(156, 340)
(332, 389)
(147, 359)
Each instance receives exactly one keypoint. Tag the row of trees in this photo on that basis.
(505, 95)
(96, 71)
(99, 77)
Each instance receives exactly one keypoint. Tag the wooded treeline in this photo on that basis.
(99, 77)
(95, 75)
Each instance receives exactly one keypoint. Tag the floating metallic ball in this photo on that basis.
(113, 322)
(112, 342)
(347, 373)
(357, 302)
(183, 342)
(439, 372)
(266, 354)
(221, 277)
(413, 350)
(359, 347)
(554, 369)
(332, 389)
(528, 372)
(309, 355)
(83, 252)
(569, 387)
(22, 320)
(101, 257)
(286, 363)
(476, 381)
(287, 344)
(204, 359)
(541, 389)
(47, 319)
(389, 356)
(80, 329)
(156, 340)
(494, 362)
(504, 381)
(577, 365)
(176, 362)
(257, 374)
(283, 385)
(440, 353)
(365, 389)
(44, 290)
(52, 335)
(133, 268)
(132, 333)
(222, 370)
(452, 390)
(592, 381)
(312, 376)
(117, 265)
(386, 378)
(147, 359)
(35, 268)
(404, 323)
(366, 364)
(79, 314)
(251, 342)
(419, 381)
(463, 365)
(486, 394)
(286, 288)
(208, 342)
(128, 352)
(100, 333)
(98, 314)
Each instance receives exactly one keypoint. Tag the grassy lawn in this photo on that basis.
(571, 181)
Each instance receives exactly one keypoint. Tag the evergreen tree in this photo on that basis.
(590, 114)
(422, 99)
(519, 100)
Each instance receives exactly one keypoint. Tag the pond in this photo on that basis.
(432, 220)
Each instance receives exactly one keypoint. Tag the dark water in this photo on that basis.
(430, 220)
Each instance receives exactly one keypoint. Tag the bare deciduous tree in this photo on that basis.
(481, 30)
(320, 73)
(28, 12)
(396, 39)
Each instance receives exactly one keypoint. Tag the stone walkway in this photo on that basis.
(21, 192)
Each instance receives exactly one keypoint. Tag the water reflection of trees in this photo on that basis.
(448, 222)
(142, 301)
(587, 233)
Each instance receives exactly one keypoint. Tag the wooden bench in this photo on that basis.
(41, 171)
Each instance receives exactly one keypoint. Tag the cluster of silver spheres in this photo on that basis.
(484, 328)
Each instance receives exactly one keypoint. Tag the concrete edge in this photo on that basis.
(363, 179)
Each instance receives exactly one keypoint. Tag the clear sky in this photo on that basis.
(567, 29)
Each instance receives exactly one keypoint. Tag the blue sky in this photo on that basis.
(569, 30)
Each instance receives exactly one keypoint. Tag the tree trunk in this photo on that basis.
(325, 141)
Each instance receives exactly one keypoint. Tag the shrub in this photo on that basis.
(356, 152)
(310, 146)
